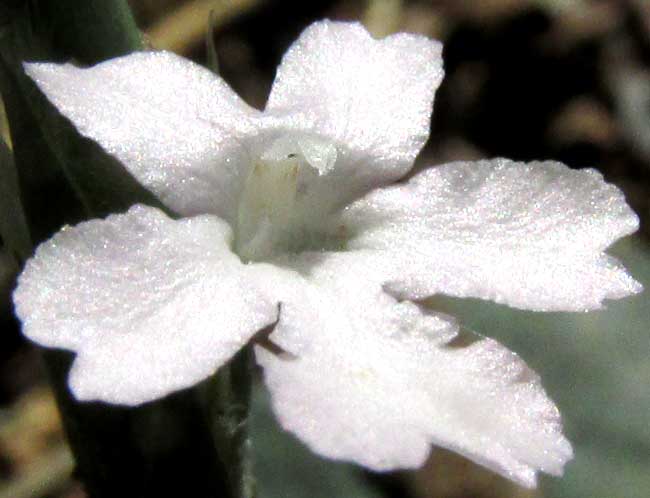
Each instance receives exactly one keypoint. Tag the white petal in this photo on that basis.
(150, 305)
(372, 98)
(527, 235)
(173, 124)
(380, 381)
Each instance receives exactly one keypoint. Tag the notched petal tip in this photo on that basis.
(137, 296)
(410, 389)
(529, 235)
(373, 96)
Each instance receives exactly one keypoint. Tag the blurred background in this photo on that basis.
(525, 79)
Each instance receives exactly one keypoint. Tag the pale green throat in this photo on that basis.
(275, 214)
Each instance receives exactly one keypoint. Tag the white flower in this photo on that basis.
(287, 217)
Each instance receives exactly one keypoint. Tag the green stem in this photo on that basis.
(227, 398)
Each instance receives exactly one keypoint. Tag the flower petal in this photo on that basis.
(174, 124)
(150, 305)
(372, 98)
(527, 235)
(382, 380)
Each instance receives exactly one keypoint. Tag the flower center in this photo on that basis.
(276, 213)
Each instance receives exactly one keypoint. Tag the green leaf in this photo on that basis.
(159, 449)
(91, 30)
(48, 199)
(165, 448)
(13, 225)
(46, 141)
